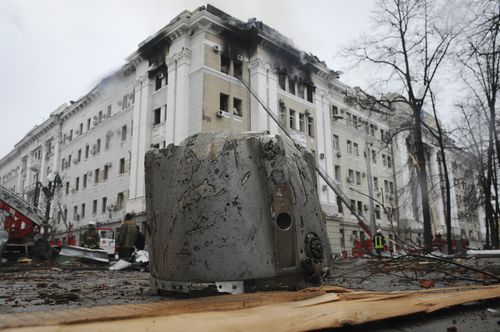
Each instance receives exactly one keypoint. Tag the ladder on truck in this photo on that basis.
(21, 211)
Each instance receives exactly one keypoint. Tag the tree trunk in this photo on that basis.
(422, 179)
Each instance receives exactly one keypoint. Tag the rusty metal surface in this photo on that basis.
(234, 207)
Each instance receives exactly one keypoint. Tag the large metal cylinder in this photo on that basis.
(234, 213)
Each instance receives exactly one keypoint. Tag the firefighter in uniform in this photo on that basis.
(91, 237)
(378, 242)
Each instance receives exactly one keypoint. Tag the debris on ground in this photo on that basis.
(330, 306)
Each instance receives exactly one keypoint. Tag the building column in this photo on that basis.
(179, 65)
(141, 139)
(263, 83)
(43, 165)
(325, 149)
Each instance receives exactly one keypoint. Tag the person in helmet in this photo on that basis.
(378, 241)
(91, 237)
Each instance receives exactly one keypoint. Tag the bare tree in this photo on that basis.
(409, 43)
(481, 69)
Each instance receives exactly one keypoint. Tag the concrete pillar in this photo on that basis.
(141, 139)
(263, 82)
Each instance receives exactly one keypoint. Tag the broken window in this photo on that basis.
(310, 126)
(301, 89)
(353, 205)
(282, 80)
(103, 207)
(124, 132)
(223, 102)
(310, 93)
(237, 107)
(225, 63)
(360, 208)
(291, 85)
(238, 69)
(389, 162)
(158, 81)
(355, 121)
(386, 186)
(122, 165)
(301, 122)
(157, 116)
(94, 206)
(375, 182)
(336, 142)
(292, 119)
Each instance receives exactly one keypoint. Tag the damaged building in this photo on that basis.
(190, 77)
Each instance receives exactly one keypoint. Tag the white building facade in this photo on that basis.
(192, 76)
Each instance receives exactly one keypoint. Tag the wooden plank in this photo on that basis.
(287, 311)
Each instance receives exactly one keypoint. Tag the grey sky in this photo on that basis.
(54, 51)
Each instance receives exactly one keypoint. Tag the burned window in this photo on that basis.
(282, 80)
(225, 62)
(224, 102)
(157, 116)
(237, 107)
(238, 69)
(310, 93)
(158, 81)
(301, 89)
(291, 85)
